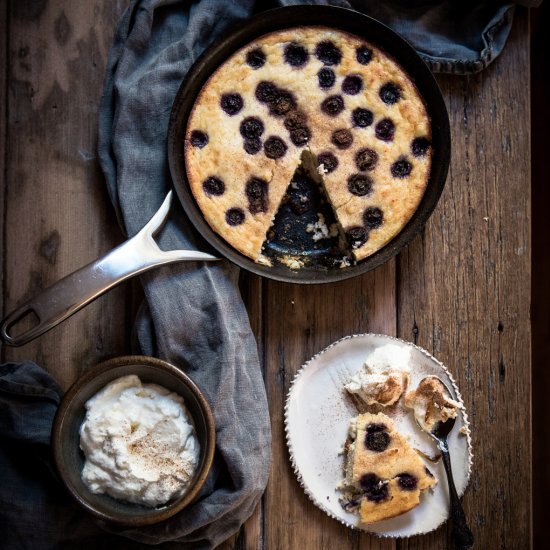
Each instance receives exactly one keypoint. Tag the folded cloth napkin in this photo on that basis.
(452, 37)
(193, 315)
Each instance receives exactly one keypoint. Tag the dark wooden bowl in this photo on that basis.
(69, 459)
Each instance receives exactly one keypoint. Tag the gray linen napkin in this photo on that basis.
(450, 36)
(193, 315)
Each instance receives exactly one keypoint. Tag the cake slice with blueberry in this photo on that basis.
(309, 92)
(384, 476)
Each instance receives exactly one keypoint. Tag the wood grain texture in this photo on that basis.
(461, 289)
(299, 322)
(464, 290)
(4, 68)
(58, 216)
(540, 122)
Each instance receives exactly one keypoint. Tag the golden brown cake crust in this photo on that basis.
(384, 469)
(223, 156)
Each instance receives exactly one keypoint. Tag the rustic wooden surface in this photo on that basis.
(539, 20)
(461, 289)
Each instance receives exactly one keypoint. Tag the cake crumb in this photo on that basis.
(292, 262)
(264, 260)
(345, 262)
(319, 228)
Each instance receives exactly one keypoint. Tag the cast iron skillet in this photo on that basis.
(345, 20)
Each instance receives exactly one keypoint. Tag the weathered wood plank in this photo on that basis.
(3, 129)
(250, 536)
(464, 290)
(299, 322)
(58, 215)
(540, 297)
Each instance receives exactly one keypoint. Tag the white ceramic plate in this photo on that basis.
(317, 415)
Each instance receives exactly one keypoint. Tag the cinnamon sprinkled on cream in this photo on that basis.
(139, 443)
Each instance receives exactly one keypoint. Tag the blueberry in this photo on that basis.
(363, 55)
(362, 117)
(199, 139)
(282, 103)
(256, 192)
(374, 427)
(385, 130)
(369, 481)
(328, 53)
(352, 84)
(213, 186)
(255, 58)
(373, 217)
(401, 168)
(366, 159)
(407, 482)
(375, 489)
(265, 91)
(300, 136)
(274, 147)
(420, 146)
(252, 146)
(332, 105)
(377, 441)
(296, 55)
(326, 78)
(231, 103)
(296, 123)
(359, 185)
(329, 162)
(390, 93)
(251, 127)
(342, 138)
(234, 216)
(295, 120)
(356, 237)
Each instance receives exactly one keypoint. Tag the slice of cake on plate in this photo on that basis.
(384, 476)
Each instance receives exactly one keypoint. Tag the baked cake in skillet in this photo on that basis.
(324, 92)
(384, 477)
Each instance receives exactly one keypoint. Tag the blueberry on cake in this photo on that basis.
(310, 92)
(384, 476)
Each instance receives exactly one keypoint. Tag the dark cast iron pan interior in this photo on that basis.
(351, 22)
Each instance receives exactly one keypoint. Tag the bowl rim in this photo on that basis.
(154, 515)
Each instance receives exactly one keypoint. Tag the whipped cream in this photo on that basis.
(383, 377)
(139, 442)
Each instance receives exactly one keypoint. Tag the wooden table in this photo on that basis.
(461, 289)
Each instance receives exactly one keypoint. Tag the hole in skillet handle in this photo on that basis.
(20, 327)
(346, 20)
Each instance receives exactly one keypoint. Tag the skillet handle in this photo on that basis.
(72, 293)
